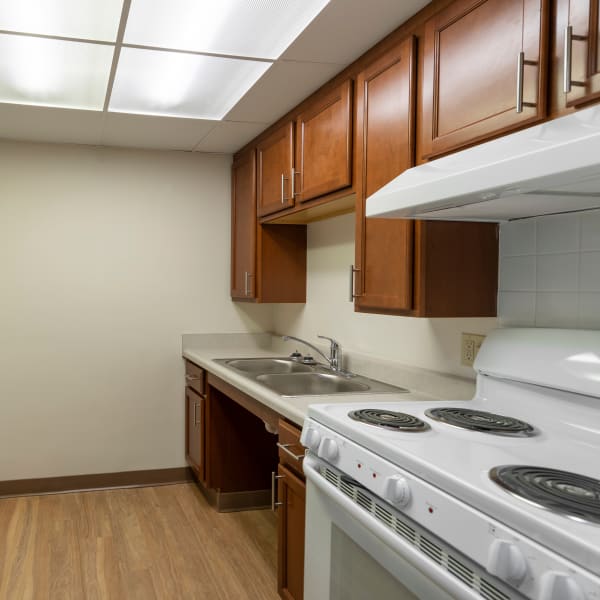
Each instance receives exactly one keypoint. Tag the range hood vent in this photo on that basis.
(546, 169)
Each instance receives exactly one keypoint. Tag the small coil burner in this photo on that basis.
(575, 496)
(388, 419)
(478, 420)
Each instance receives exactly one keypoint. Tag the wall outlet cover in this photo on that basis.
(470, 344)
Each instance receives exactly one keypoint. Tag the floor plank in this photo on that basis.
(154, 543)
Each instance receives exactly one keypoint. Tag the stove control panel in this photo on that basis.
(537, 572)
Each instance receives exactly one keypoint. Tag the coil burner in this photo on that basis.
(575, 496)
(389, 419)
(478, 420)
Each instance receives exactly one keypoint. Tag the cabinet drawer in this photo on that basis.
(291, 451)
(195, 377)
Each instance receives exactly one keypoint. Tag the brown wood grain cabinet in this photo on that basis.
(324, 145)
(580, 64)
(275, 162)
(291, 497)
(385, 95)
(471, 75)
(268, 262)
(195, 406)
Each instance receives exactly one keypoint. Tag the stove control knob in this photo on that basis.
(310, 438)
(396, 490)
(328, 449)
(506, 561)
(559, 586)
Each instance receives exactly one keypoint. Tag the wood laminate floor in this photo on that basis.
(145, 543)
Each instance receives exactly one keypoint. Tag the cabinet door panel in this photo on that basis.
(385, 148)
(324, 145)
(275, 160)
(243, 227)
(291, 518)
(195, 434)
(583, 17)
(470, 71)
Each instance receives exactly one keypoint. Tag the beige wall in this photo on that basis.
(427, 343)
(106, 257)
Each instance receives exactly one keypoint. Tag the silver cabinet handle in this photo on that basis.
(246, 286)
(567, 64)
(520, 75)
(274, 478)
(196, 405)
(568, 59)
(521, 62)
(353, 293)
(283, 180)
(294, 173)
(192, 378)
(285, 447)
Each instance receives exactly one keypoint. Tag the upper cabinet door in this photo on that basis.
(275, 157)
(243, 226)
(384, 148)
(324, 145)
(581, 59)
(484, 71)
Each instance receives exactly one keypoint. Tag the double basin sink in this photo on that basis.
(289, 377)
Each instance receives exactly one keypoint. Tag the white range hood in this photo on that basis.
(545, 169)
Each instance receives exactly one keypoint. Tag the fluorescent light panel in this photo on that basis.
(85, 19)
(50, 72)
(175, 84)
(233, 27)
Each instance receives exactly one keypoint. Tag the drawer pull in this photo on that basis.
(192, 378)
(274, 477)
(285, 447)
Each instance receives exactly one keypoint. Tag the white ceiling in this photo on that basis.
(343, 31)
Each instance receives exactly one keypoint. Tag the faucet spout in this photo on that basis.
(334, 360)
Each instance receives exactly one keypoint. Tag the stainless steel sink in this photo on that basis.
(267, 365)
(288, 377)
(311, 384)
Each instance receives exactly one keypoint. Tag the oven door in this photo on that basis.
(350, 555)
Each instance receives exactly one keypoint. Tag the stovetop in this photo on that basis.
(556, 431)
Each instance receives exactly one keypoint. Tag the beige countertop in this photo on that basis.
(203, 349)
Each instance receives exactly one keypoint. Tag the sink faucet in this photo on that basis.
(334, 360)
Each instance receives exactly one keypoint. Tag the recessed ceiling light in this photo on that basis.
(86, 19)
(178, 84)
(233, 27)
(50, 72)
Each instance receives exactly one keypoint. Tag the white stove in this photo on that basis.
(506, 508)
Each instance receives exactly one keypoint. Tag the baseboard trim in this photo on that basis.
(97, 481)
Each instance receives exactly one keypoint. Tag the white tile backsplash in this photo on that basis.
(558, 233)
(549, 272)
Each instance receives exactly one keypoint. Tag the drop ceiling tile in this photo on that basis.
(345, 29)
(144, 131)
(46, 124)
(281, 88)
(229, 136)
(86, 19)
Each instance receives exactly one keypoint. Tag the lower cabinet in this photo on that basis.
(195, 421)
(290, 526)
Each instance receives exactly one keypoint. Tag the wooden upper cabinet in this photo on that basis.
(385, 98)
(275, 157)
(243, 226)
(472, 82)
(581, 78)
(324, 145)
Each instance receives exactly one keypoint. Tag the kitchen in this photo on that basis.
(111, 253)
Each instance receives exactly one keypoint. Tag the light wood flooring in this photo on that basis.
(145, 543)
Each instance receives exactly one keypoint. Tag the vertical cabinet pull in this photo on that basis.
(247, 283)
(196, 405)
(521, 62)
(568, 59)
(283, 180)
(353, 293)
(294, 192)
(274, 478)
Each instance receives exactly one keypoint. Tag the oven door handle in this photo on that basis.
(446, 581)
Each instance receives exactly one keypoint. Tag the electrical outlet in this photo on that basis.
(470, 344)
